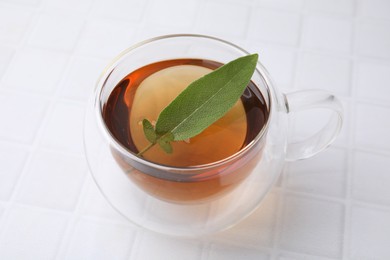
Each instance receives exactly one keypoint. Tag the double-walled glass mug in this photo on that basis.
(201, 199)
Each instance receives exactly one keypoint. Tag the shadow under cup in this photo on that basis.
(192, 184)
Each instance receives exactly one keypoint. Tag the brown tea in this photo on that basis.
(145, 92)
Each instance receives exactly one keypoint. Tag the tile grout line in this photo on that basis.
(277, 229)
(205, 253)
(298, 50)
(302, 255)
(72, 222)
(346, 239)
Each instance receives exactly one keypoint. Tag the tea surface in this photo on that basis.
(145, 92)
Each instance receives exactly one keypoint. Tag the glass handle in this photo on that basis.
(313, 99)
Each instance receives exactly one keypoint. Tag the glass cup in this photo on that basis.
(200, 199)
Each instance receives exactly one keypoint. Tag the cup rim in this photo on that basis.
(260, 69)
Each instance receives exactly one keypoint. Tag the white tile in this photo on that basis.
(23, 115)
(373, 81)
(324, 72)
(80, 79)
(95, 240)
(295, 256)
(372, 126)
(95, 204)
(245, 2)
(55, 31)
(312, 226)
(322, 174)
(104, 38)
(228, 252)
(342, 7)
(327, 33)
(274, 26)
(280, 63)
(223, 19)
(371, 178)
(31, 234)
(168, 247)
(6, 54)
(290, 5)
(193, 216)
(370, 234)
(34, 3)
(71, 6)
(119, 9)
(13, 23)
(64, 128)
(150, 30)
(373, 38)
(12, 163)
(53, 180)
(373, 8)
(35, 70)
(174, 13)
(257, 230)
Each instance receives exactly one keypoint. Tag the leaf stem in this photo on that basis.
(145, 149)
(165, 137)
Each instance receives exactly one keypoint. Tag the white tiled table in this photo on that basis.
(333, 206)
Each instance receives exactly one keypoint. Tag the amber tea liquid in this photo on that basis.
(145, 92)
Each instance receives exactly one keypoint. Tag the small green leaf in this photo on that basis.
(207, 99)
(167, 147)
(165, 142)
(150, 134)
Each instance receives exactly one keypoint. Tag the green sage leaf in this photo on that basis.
(202, 103)
(207, 99)
(149, 132)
